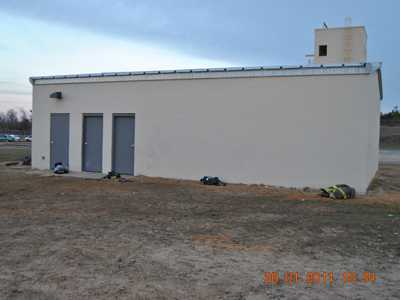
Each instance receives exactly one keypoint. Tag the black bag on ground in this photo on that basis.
(208, 180)
(339, 191)
(112, 175)
(60, 169)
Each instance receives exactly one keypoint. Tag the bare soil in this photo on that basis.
(151, 238)
(154, 238)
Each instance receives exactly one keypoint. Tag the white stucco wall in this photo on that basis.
(345, 45)
(290, 131)
(373, 125)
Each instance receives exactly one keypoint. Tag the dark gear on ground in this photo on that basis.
(208, 180)
(115, 176)
(112, 175)
(60, 169)
(339, 191)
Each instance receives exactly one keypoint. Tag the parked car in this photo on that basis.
(7, 138)
(28, 138)
(15, 138)
(3, 138)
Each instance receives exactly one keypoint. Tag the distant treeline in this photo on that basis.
(15, 122)
(391, 118)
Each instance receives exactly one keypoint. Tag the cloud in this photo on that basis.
(14, 101)
(260, 32)
(14, 88)
(14, 92)
(243, 31)
(37, 49)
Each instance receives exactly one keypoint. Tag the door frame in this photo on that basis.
(114, 115)
(83, 137)
(50, 144)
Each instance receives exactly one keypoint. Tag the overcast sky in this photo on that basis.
(47, 37)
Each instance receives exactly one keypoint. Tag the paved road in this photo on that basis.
(389, 156)
(13, 145)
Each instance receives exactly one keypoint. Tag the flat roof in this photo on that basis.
(341, 28)
(209, 73)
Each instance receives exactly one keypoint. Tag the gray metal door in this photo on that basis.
(59, 139)
(92, 148)
(124, 144)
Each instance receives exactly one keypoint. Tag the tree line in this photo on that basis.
(391, 118)
(13, 121)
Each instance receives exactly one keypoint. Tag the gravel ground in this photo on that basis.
(151, 238)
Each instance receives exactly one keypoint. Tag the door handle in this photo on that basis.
(85, 143)
(132, 146)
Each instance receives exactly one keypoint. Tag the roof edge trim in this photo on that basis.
(232, 72)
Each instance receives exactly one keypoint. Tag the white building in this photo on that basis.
(313, 125)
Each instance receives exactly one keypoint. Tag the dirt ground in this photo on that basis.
(153, 238)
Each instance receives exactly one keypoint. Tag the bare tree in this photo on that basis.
(16, 121)
(25, 120)
(12, 118)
